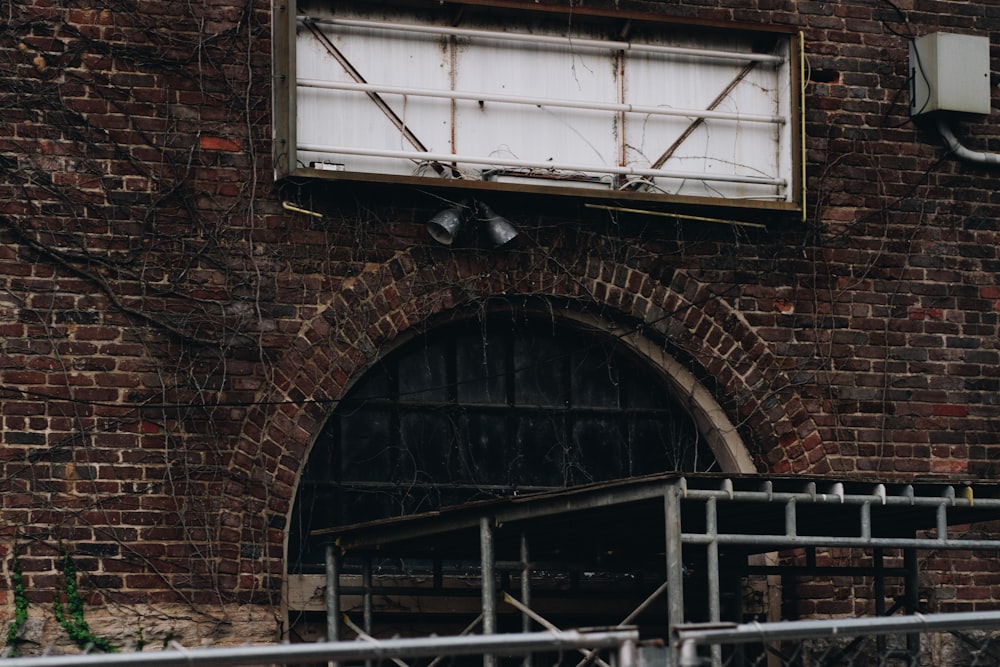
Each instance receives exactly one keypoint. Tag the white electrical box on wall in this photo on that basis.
(950, 72)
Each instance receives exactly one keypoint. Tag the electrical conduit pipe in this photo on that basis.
(960, 151)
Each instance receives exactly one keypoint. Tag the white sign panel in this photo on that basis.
(544, 101)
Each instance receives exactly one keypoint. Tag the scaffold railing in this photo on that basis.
(968, 639)
(619, 645)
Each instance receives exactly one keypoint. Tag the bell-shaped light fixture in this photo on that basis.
(497, 228)
(444, 226)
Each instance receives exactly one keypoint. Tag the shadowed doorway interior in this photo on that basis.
(486, 408)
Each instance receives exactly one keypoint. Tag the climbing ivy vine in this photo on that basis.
(71, 616)
(20, 607)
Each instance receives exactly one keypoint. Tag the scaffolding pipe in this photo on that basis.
(525, 590)
(540, 164)
(911, 585)
(634, 614)
(628, 654)
(838, 627)
(675, 557)
(832, 499)
(879, 562)
(650, 599)
(714, 587)
(366, 582)
(488, 581)
(712, 555)
(332, 597)
(382, 649)
(572, 42)
(590, 105)
(942, 522)
(465, 631)
(366, 637)
(587, 654)
(794, 542)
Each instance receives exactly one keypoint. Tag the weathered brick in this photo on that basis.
(165, 321)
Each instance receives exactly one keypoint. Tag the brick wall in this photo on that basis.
(172, 339)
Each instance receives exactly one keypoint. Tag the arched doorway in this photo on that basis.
(499, 405)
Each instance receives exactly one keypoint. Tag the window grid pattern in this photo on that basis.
(488, 409)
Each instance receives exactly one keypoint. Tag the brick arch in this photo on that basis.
(380, 306)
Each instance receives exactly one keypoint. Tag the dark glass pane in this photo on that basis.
(365, 445)
(483, 446)
(596, 450)
(320, 509)
(423, 497)
(648, 453)
(541, 451)
(540, 371)
(376, 384)
(481, 362)
(367, 504)
(643, 391)
(324, 461)
(687, 447)
(595, 378)
(423, 373)
(663, 444)
(427, 448)
(305, 519)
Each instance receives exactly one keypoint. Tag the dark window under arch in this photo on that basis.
(481, 409)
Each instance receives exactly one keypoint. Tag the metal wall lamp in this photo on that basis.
(446, 226)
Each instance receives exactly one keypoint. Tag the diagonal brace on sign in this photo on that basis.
(383, 106)
(698, 122)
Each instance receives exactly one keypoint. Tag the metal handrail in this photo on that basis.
(688, 638)
(624, 640)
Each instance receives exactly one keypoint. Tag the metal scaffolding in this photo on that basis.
(705, 523)
(845, 641)
(621, 643)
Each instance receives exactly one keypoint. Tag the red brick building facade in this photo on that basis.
(174, 338)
